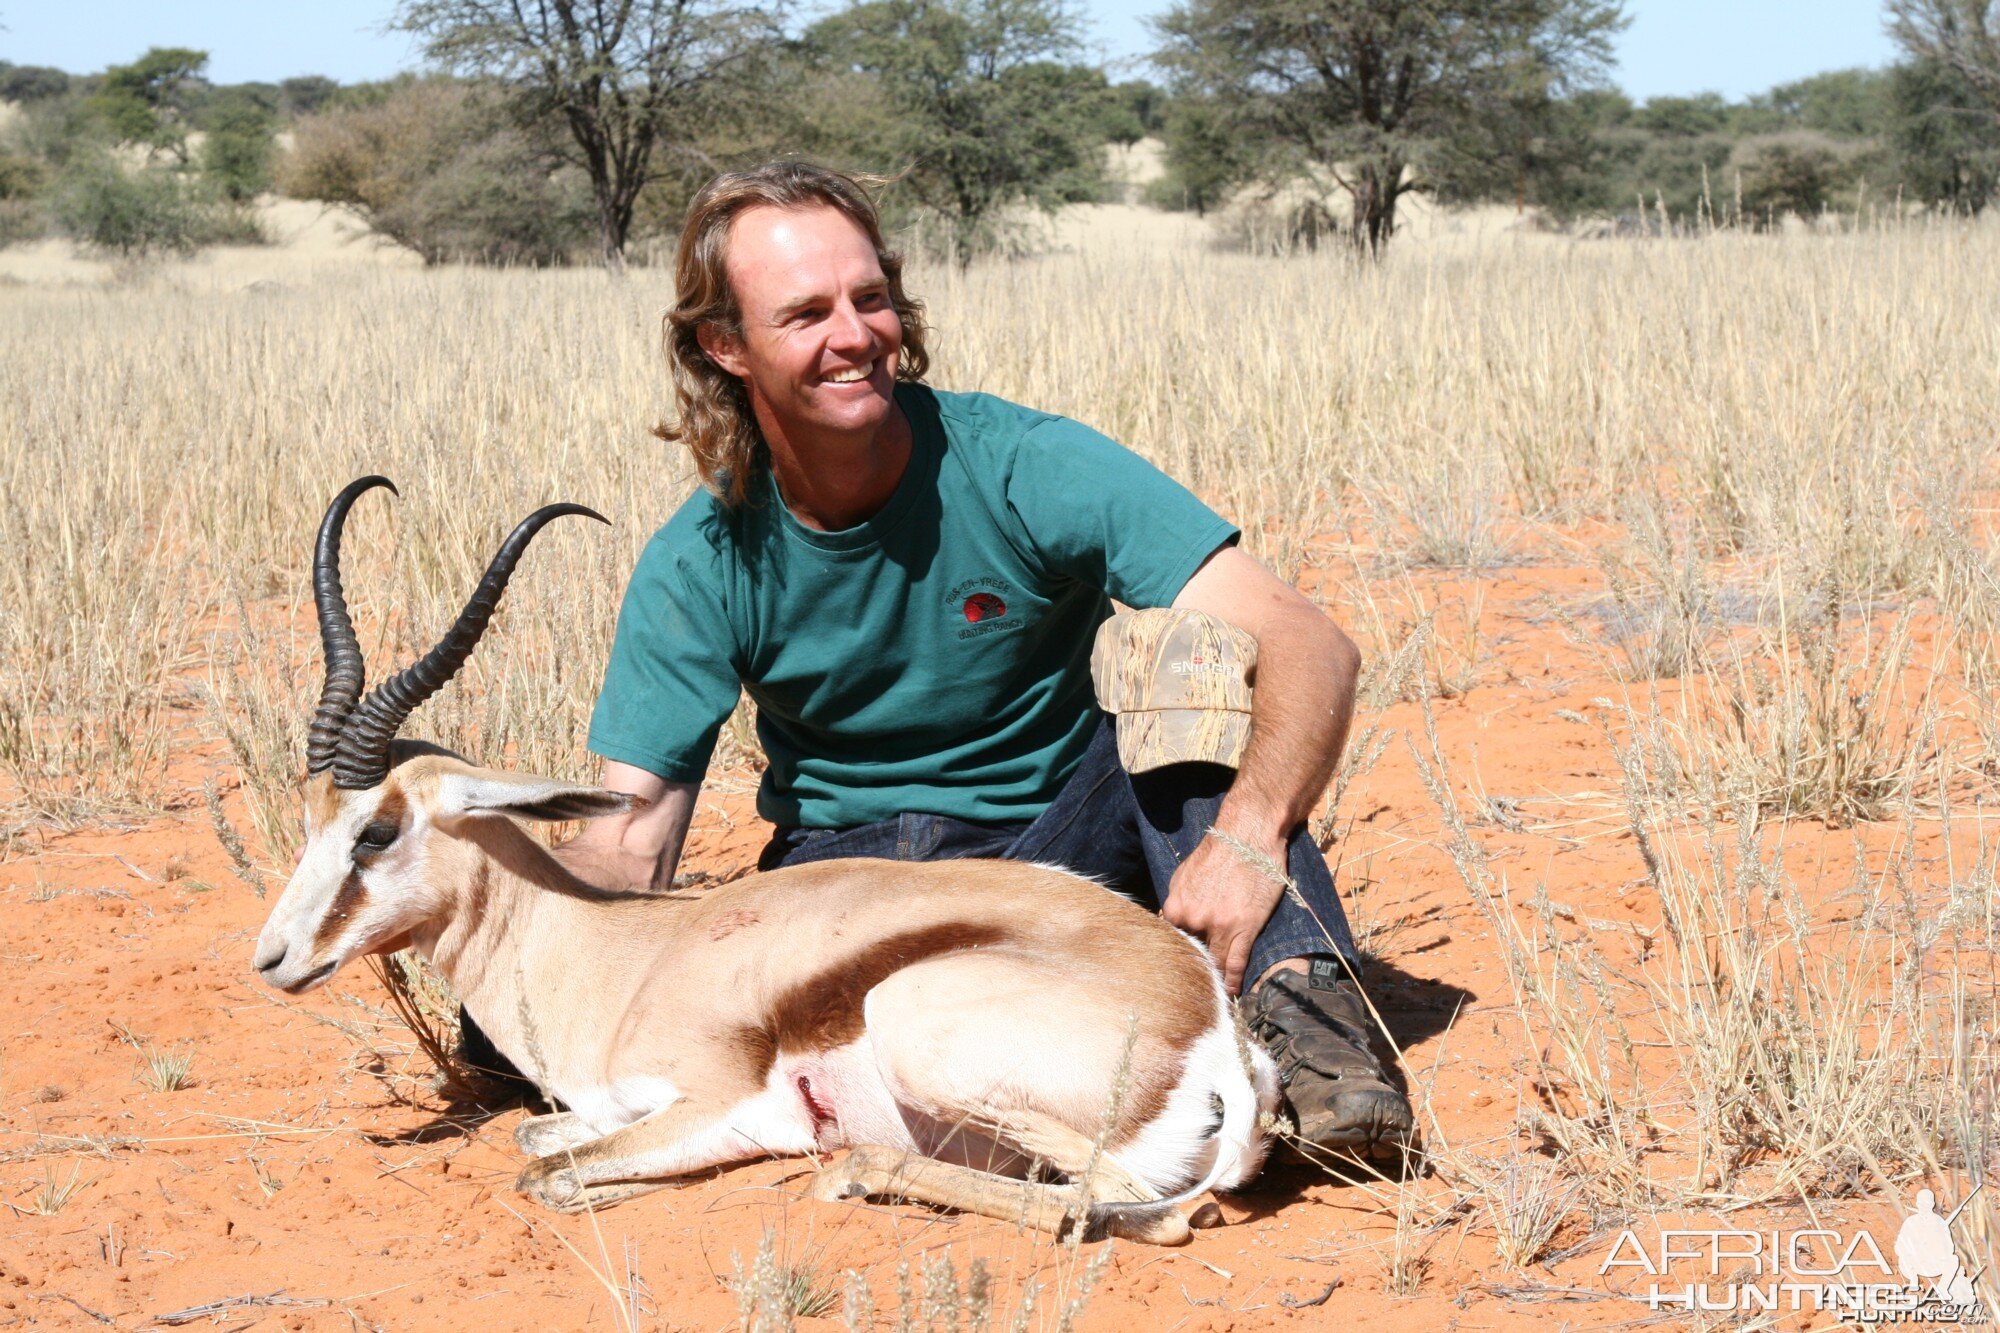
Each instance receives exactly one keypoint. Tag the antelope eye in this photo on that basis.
(377, 836)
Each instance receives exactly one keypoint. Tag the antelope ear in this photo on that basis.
(485, 792)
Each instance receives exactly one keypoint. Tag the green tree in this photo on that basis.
(1845, 103)
(149, 101)
(31, 83)
(134, 213)
(1797, 173)
(1683, 117)
(1204, 153)
(986, 107)
(1147, 103)
(305, 94)
(628, 81)
(1946, 145)
(1962, 36)
(1367, 91)
(22, 182)
(237, 150)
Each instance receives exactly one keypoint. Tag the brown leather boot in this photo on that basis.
(1317, 1029)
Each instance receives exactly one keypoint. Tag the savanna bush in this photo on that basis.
(103, 204)
(433, 166)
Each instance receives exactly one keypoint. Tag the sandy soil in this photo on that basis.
(307, 1162)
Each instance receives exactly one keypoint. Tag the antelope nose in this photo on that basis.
(269, 957)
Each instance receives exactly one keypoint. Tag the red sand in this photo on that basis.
(300, 1162)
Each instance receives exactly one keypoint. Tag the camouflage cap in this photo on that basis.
(1179, 682)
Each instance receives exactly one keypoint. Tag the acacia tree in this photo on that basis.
(1366, 91)
(149, 101)
(629, 80)
(987, 106)
(1962, 36)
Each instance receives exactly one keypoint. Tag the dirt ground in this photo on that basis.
(305, 1179)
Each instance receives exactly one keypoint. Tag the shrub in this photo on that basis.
(1205, 157)
(31, 83)
(236, 155)
(1794, 174)
(105, 207)
(22, 180)
(433, 167)
(102, 205)
(305, 94)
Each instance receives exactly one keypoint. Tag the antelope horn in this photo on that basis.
(345, 671)
(362, 758)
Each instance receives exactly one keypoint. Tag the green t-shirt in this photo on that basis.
(935, 658)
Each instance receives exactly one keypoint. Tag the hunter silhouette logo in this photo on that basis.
(1925, 1254)
(1813, 1269)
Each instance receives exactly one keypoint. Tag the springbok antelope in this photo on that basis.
(937, 1017)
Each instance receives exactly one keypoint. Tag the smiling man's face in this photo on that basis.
(820, 336)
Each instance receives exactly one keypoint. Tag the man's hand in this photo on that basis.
(1222, 896)
(1299, 714)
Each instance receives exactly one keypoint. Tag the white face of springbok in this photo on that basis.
(387, 848)
(384, 863)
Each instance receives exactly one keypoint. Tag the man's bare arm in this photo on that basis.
(1304, 698)
(638, 850)
(1299, 716)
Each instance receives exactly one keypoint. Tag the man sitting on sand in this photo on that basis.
(908, 583)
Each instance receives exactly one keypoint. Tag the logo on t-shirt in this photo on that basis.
(984, 606)
(983, 603)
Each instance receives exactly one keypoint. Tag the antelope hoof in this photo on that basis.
(1167, 1230)
(835, 1184)
(560, 1189)
(552, 1184)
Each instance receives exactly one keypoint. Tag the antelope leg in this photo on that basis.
(693, 1134)
(895, 1174)
(890, 1173)
(538, 1136)
(1101, 1176)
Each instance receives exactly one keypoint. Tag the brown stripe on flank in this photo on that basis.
(825, 1011)
(347, 900)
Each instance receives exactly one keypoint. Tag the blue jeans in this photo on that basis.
(1129, 831)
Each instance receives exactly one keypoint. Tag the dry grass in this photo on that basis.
(1782, 443)
(167, 451)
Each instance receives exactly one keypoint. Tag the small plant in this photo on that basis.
(772, 1293)
(423, 1000)
(1445, 511)
(232, 842)
(1527, 1200)
(162, 1071)
(267, 1180)
(1408, 1262)
(1812, 724)
(55, 1194)
(165, 1071)
(1662, 605)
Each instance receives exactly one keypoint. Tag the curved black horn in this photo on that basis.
(345, 671)
(362, 759)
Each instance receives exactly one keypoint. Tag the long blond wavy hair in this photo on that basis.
(714, 419)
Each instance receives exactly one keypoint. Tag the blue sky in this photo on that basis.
(1673, 46)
